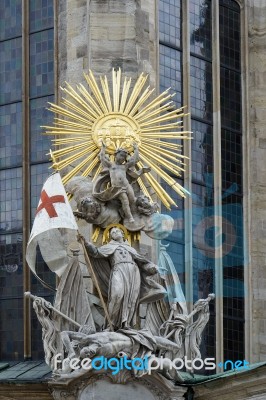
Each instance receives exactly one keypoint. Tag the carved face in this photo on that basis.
(90, 207)
(143, 201)
(116, 234)
(120, 157)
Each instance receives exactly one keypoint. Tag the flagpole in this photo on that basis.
(31, 296)
(95, 281)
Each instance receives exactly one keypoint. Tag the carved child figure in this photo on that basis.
(118, 177)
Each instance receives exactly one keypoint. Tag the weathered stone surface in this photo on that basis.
(116, 391)
(257, 173)
(106, 34)
(98, 386)
(246, 385)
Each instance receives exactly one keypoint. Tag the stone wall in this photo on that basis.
(256, 165)
(241, 385)
(106, 34)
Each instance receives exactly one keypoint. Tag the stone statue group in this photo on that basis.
(139, 308)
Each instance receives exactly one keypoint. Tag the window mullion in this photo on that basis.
(217, 181)
(187, 152)
(246, 184)
(26, 174)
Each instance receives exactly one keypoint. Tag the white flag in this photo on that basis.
(53, 221)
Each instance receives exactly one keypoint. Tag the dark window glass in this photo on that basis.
(230, 38)
(203, 277)
(10, 19)
(42, 63)
(11, 329)
(39, 173)
(10, 70)
(232, 209)
(11, 297)
(170, 22)
(174, 242)
(11, 274)
(203, 234)
(233, 234)
(39, 116)
(170, 72)
(200, 27)
(11, 200)
(202, 152)
(234, 340)
(230, 3)
(177, 213)
(41, 15)
(201, 88)
(231, 161)
(230, 99)
(10, 135)
(203, 219)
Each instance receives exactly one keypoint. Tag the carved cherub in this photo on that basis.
(145, 206)
(120, 186)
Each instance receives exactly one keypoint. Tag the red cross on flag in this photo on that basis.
(54, 221)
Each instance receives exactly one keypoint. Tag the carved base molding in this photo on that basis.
(22, 391)
(101, 385)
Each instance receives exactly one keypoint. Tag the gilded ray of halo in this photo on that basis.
(119, 115)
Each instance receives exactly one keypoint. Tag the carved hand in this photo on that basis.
(79, 214)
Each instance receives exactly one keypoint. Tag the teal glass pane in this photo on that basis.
(203, 274)
(10, 19)
(177, 253)
(203, 222)
(42, 63)
(10, 135)
(177, 213)
(201, 28)
(11, 200)
(10, 70)
(233, 233)
(39, 116)
(41, 15)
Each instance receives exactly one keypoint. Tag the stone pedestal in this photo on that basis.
(102, 386)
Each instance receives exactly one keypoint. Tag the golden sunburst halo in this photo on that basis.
(119, 117)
